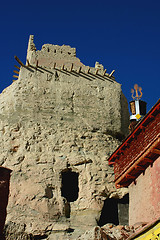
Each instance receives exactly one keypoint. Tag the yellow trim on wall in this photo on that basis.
(152, 233)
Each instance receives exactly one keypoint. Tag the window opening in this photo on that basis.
(109, 212)
(115, 211)
(70, 188)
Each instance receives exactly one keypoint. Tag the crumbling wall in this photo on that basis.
(60, 115)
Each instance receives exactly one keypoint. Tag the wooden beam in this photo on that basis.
(88, 70)
(17, 67)
(19, 61)
(147, 159)
(71, 67)
(37, 64)
(16, 71)
(129, 176)
(79, 69)
(140, 168)
(54, 66)
(157, 151)
(111, 163)
(62, 67)
(96, 71)
(28, 63)
(15, 76)
(104, 72)
(110, 75)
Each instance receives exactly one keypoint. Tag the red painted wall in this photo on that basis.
(144, 196)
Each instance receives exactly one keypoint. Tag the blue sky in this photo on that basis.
(122, 35)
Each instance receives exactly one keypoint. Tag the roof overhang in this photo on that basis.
(140, 149)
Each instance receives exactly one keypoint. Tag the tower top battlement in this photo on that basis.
(64, 57)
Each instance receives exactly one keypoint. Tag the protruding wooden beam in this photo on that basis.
(129, 176)
(157, 151)
(148, 160)
(54, 66)
(140, 168)
(37, 64)
(16, 71)
(71, 67)
(110, 75)
(19, 61)
(87, 71)
(17, 67)
(96, 71)
(79, 69)
(28, 64)
(62, 67)
(104, 72)
(15, 76)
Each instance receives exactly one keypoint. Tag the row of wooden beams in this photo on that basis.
(138, 164)
(62, 67)
(79, 69)
(138, 168)
(15, 71)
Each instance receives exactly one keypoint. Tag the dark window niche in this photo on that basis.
(69, 188)
(115, 211)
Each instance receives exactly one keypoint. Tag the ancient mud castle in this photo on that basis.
(59, 122)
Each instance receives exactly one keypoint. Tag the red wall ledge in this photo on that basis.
(139, 150)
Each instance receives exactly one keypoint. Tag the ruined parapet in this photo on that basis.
(59, 122)
(50, 55)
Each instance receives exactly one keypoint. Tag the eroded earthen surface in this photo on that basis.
(60, 118)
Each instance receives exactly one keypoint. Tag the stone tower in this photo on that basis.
(59, 122)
